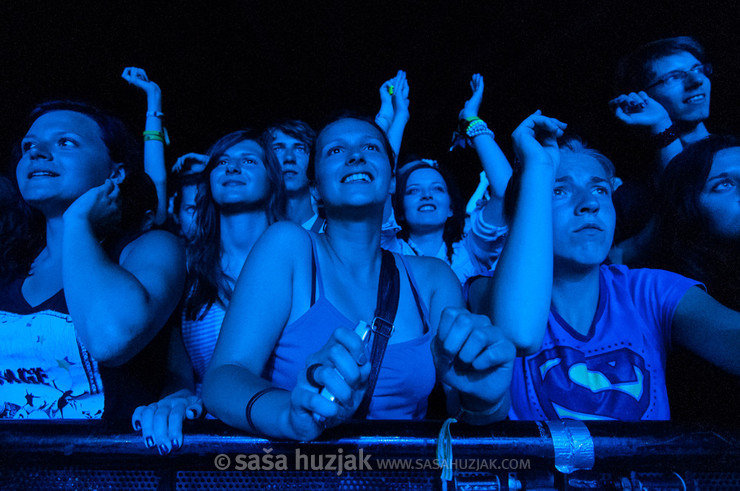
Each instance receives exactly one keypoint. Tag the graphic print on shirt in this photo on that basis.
(608, 386)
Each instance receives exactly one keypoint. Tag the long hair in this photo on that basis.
(684, 242)
(207, 283)
(138, 196)
(454, 226)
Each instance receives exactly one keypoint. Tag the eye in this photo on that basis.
(222, 162)
(278, 149)
(27, 145)
(673, 77)
(723, 185)
(373, 147)
(301, 149)
(65, 142)
(439, 188)
(603, 190)
(334, 150)
(248, 161)
(413, 190)
(559, 192)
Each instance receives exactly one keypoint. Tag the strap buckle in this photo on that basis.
(382, 327)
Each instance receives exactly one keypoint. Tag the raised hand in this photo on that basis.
(100, 206)
(191, 162)
(138, 78)
(639, 109)
(160, 423)
(401, 96)
(536, 139)
(473, 357)
(472, 105)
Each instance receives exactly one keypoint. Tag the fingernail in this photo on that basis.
(175, 444)
(163, 449)
(363, 358)
(191, 413)
(149, 442)
(137, 425)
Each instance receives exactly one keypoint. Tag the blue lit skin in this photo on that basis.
(687, 101)
(583, 215)
(426, 201)
(719, 199)
(63, 157)
(351, 147)
(239, 179)
(293, 156)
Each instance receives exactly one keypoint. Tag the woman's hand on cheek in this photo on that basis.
(99, 206)
(473, 357)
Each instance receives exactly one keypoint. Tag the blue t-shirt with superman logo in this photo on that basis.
(617, 370)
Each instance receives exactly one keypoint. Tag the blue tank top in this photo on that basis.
(407, 374)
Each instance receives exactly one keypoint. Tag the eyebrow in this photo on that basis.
(718, 176)
(594, 179)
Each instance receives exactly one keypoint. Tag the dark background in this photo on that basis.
(225, 65)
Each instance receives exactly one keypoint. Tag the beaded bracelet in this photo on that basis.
(477, 128)
(250, 404)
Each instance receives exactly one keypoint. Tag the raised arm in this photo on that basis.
(709, 329)
(640, 110)
(394, 109)
(117, 307)
(518, 297)
(233, 389)
(493, 160)
(154, 139)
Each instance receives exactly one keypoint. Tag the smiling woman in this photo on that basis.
(288, 333)
(241, 193)
(79, 168)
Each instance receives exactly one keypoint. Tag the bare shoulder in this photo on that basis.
(433, 274)
(283, 238)
(157, 245)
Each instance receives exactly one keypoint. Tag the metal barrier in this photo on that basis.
(376, 455)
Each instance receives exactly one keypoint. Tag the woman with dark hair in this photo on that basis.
(101, 285)
(431, 212)
(698, 235)
(698, 222)
(288, 363)
(242, 193)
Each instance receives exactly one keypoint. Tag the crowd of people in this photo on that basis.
(290, 280)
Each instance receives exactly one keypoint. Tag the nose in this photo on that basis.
(426, 194)
(587, 203)
(356, 158)
(289, 155)
(39, 151)
(233, 168)
(694, 79)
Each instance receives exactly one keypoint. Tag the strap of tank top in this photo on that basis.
(423, 310)
(315, 271)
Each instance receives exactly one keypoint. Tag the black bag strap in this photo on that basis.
(382, 325)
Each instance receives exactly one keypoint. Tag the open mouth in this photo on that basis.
(357, 177)
(290, 172)
(427, 207)
(695, 99)
(42, 173)
(232, 182)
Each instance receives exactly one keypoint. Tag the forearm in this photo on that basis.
(228, 389)
(522, 284)
(395, 131)
(495, 164)
(154, 162)
(107, 303)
